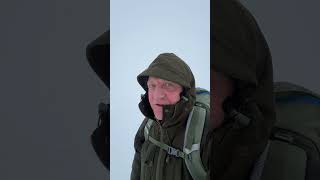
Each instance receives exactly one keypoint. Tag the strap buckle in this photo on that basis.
(173, 151)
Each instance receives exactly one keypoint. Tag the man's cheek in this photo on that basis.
(150, 97)
(176, 99)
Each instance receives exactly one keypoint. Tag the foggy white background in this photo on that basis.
(140, 31)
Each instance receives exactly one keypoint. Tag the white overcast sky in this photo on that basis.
(140, 31)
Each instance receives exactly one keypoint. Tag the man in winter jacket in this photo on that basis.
(242, 86)
(170, 96)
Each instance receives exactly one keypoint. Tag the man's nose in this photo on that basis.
(159, 93)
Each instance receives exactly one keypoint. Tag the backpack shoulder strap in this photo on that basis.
(147, 128)
(192, 141)
(170, 150)
(193, 135)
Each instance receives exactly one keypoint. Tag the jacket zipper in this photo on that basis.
(160, 155)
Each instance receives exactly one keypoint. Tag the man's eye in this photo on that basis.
(151, 86)
(169, 85)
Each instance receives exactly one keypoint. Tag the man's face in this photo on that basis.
(162, 92)
(221, 87)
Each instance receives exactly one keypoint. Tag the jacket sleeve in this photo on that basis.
(138, 141)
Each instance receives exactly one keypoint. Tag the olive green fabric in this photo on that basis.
(240, 51)
(151, 162)
(288, 162)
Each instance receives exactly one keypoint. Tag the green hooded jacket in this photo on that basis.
(241, 53)
(151, 162)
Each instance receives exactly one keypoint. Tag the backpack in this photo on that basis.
(293, 152)
(193, 134)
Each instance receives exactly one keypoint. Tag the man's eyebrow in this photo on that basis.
(171, 82)
(150, 82)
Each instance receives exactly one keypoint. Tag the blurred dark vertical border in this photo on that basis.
(50, 96)
(98, 55)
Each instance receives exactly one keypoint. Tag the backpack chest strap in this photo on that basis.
(169, 149)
